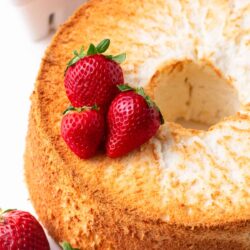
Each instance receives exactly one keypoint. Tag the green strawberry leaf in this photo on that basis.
(81, 52)
(83, 108)
(5, 211)
(161, 116)
(2, 212)
(140, 91)
(103, 46)
(151, 104)
(95, 107)
(91, 50)
(76, 58)
(119, 58)
(110, 57)
(68, 109)
(67, 246)
(124, 87)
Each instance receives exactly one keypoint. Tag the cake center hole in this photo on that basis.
(194, 95)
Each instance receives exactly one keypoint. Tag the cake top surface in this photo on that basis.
(192, 59)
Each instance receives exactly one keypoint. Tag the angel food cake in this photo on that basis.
(184, 188)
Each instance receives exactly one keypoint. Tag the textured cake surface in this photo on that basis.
(185, 188)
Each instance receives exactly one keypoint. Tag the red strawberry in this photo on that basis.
(92, 78)
(83, 129)
(132, 120)
(21, 231)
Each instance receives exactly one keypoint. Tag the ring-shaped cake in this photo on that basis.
(185, 188)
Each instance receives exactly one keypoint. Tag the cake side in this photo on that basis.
(83, 217)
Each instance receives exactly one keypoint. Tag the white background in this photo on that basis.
(20, 58)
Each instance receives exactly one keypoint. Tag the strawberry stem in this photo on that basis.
(84, 108)
(67, 246)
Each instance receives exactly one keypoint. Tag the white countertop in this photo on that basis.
(19, 64)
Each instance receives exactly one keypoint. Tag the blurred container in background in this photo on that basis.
(42, 16)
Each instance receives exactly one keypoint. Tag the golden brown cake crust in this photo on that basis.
(100, 203)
